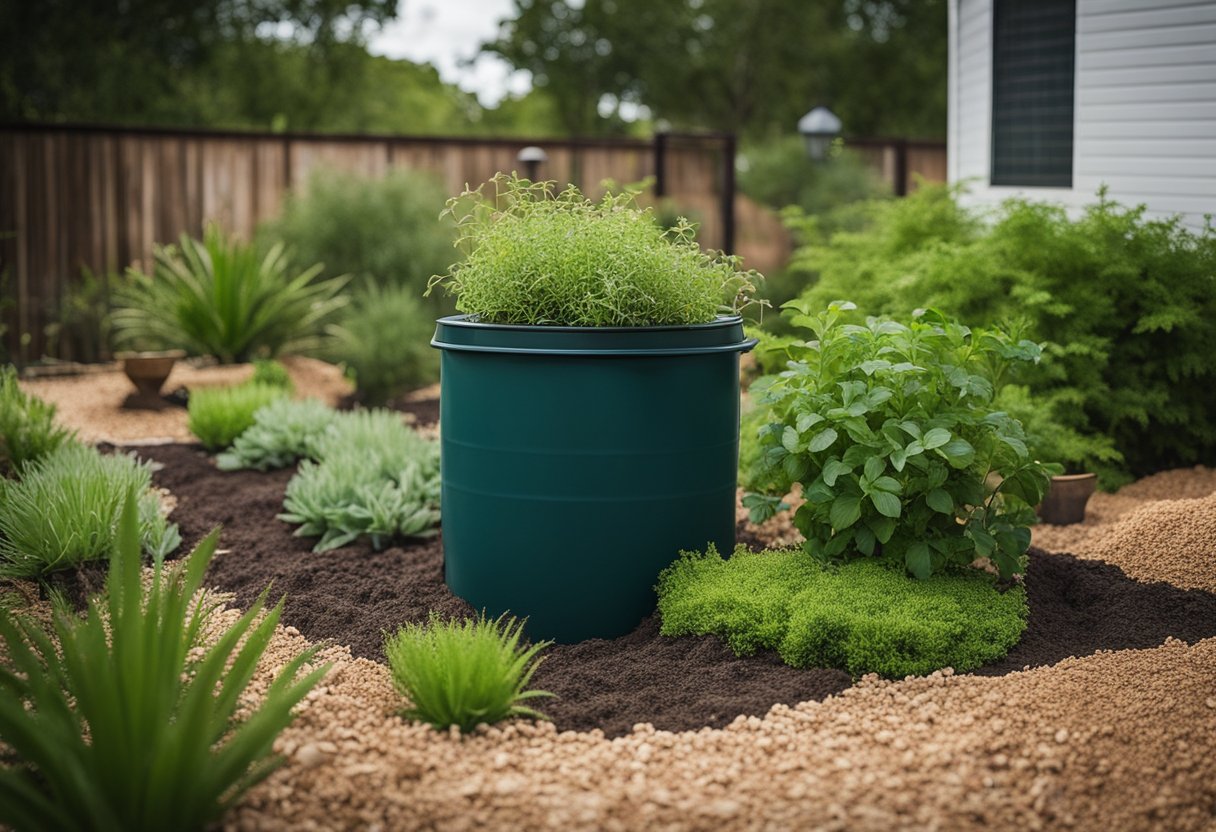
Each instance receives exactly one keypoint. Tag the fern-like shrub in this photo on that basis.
(861, 617)
(65, 510)
(132, 717)
(283, 432)
(538, 257)
(372, 476)
(218, 415)
(1126, 303)
(27, 425)
(464, 673)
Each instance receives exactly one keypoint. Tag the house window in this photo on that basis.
(1033, 61)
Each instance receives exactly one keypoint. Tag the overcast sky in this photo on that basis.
(447, 32)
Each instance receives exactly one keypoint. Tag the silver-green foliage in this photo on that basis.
(536, 257)
(27, 425)
(862, 617)
(464, 672)
(218, 415)
(222, 297)
(283, 432)
(372, 476)
(65, 510)
(130, 718)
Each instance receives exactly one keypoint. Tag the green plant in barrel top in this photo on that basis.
(891, 429)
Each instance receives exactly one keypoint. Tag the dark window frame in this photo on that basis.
(1033, 116)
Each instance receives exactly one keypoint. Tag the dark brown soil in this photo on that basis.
(353, 594)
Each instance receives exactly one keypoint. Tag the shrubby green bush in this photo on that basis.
(27, 426)
(892, 430)
(780, 174)
(218, 415)
(1126, 303)
(223, 298)
(372, 476)
(464, 673)
(381, 231)
(283, 432)
(65, 510)
(861, 617)
(135, 716)
(384, 340)
(272, 374)
(536, 257)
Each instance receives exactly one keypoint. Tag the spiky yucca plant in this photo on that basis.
(131, 718)
(220, 297)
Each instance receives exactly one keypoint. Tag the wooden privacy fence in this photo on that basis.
(74, 197)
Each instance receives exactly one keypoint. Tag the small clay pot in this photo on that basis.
(148, 370)
(1066, 499)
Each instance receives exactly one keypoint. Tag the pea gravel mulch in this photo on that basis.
(352, 595)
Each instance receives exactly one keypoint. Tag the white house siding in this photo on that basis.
(1145, 105)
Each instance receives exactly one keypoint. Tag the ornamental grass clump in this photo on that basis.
(65, 510)
(862, 616)
(534, 256)
(218, 415)
(372, 476)
(893, 431)
(464, 673)
(27, 426)
(137, 716)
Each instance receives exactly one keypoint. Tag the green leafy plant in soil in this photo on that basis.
(892, 430)
(372, 476)
(27, 426)
(538, 257)
(384, 340)
(1125, 303)
(466, 672)
(221, 297)
(283, 432)
(272, 373)
(134, 717)
(65, 510)
(218, 415)
(862, 616)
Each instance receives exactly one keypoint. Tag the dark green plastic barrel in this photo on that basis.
(578, 462)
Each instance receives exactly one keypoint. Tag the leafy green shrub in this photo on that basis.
(381, 231)
(374, 476)
(222, 298)
(27, 425)
(535, 257)
(218, 415)
(779, 174)
(384, 338)
(282, 432)
(892, 431)
(65, 509)
(862, 617)
(132, 717)
(1128, 303)
(464, 673)
(272, 374)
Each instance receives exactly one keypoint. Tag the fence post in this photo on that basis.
(901, 167)
(728, 193)
(660, 164)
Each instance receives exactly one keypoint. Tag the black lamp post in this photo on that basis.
(819, 127)
(531, 158)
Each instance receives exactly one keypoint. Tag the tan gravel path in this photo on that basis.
(92, 403)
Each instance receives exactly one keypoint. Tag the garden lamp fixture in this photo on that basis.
(531, 158)
(819, 127)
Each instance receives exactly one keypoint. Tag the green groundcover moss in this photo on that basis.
(861, 617)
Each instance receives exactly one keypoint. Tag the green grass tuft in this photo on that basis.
(65, 509)
(862, 617)
(283, 432)
(218, 415)
(464, 672)
(272, 373)
(133, 717)
(27, 426)
(536, 257)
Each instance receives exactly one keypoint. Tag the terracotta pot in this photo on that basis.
(148, 370)
(1066, 499)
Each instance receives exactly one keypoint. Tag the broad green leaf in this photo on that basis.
(846, 510)
(958, 452)
(822, 440)
(940, 501)
(872, 366)
(789, 438)
(865, 540)
(935, 438)
(807, 420)
(883, 527)
(875, 465)
(887, 504)
(918, 560)
(833, 469)
(887, 484)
